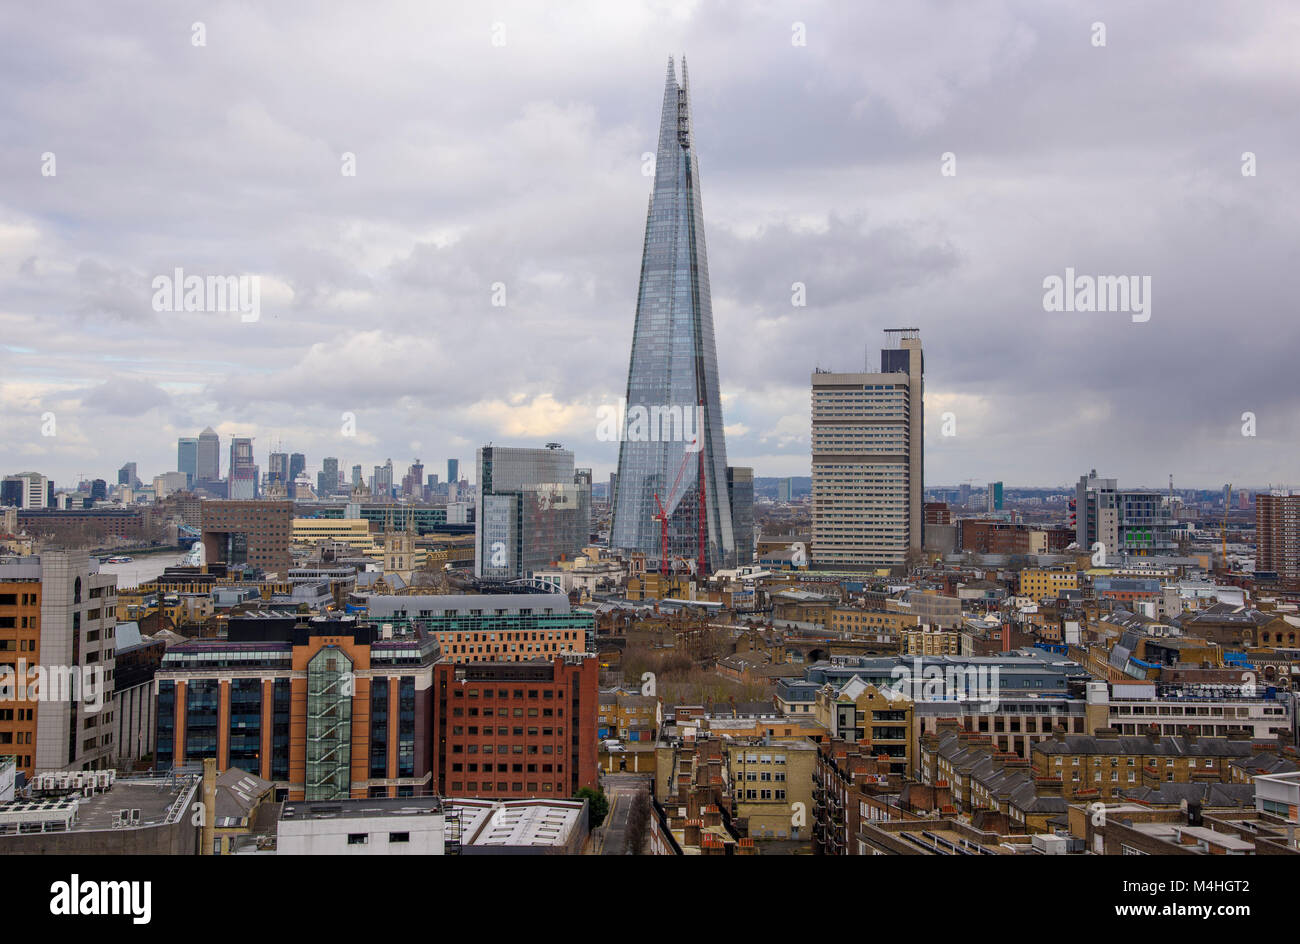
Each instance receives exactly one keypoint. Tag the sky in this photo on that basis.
(474, 280)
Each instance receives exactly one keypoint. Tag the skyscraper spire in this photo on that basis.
(672, 502)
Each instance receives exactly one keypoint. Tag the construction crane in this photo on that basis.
(665, 564)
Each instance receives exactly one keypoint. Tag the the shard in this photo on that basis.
(672, 464)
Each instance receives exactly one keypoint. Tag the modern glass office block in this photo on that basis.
(671, 438)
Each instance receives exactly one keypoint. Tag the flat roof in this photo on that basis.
(517, 822)
(154, 797)
(372, 807)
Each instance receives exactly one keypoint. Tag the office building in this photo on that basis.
(169, 482)
(383, 827)
(187, 458)
(453, 471)
(510, 627)
(381, 482)
(1124, 521)
(672, 461)
(327, 480)
(243, 477)
(127, 476)
(1277, 523)
(136, 659)
(867, 459)
(209, 456)
(248, 533)
(106, 816)
(57, 617)
(297, 465)
(413, 481)
(784, 489)
(326, 709)
(543, 742)
(740, 492)
(277, 471)
(533, 509)
(993, 497)
(29, 490)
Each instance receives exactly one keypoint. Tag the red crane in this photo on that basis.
(662, 515)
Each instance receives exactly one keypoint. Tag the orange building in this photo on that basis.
(324, 709)
(20, 639)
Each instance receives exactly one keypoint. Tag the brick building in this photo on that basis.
(256, 533)
(516, 729)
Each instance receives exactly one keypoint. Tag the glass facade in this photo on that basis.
(672, 436)
(165, 745)
(533, 508)
(379, 728)
(329, 725)
(740, 492)
(406, 726)
(246, 724)
(281, 699)
(202, 697)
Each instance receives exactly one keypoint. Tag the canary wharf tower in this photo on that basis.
(671, 501)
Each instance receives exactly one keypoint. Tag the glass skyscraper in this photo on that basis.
(671, 441)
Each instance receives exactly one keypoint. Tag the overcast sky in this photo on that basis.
(502, 143)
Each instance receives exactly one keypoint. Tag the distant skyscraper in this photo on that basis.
(243, 469)
(1277, 528)
(127, 475)
(381, 483)
(453, 470)
(867, 459)
(413, 481)
(327, 482)
(297, 466)
(187, 458)
(740, 491)
(209, 456)
(994, 497)
(356, 476)
(784, 489)
(277, 468)
(671, 439)
(532, 508)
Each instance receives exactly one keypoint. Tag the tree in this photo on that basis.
(597, 805)
(638, 824)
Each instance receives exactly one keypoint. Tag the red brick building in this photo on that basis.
(516, 729)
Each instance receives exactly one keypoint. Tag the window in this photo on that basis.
(399, 837)
(358, 839)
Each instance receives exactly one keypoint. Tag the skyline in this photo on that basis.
(824, 167)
